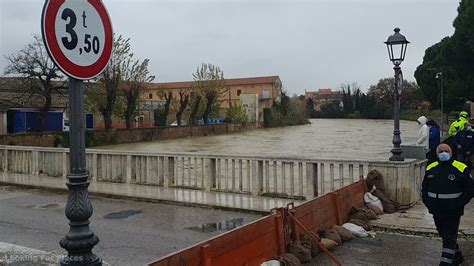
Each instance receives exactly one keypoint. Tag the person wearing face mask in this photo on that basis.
(446, 188)
(464, 142)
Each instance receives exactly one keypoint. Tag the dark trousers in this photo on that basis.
(448, 230)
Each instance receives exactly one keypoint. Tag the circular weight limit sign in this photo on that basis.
(78, 36)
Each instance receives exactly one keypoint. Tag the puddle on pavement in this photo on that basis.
(45, 206)
(219, 226)
(122, 214)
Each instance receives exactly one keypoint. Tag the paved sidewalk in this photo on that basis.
(392, 250)
(417, 220)
(188, 197)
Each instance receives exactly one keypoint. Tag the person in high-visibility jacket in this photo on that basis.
(446, 188)
(458, 125)
(464, 142)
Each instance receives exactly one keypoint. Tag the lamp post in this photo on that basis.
(439, 76)
(397, 47)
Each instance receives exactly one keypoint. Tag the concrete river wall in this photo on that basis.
(119, 136)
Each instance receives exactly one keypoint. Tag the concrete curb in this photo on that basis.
(427, 232)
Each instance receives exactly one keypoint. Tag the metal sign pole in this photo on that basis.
(80, 240)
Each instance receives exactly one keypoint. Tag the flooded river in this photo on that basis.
(322, 139)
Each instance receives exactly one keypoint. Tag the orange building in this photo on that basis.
(323, 97)
(267, 88)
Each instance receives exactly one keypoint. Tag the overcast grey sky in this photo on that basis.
(309, 44)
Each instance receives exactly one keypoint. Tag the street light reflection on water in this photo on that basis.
(360, 139)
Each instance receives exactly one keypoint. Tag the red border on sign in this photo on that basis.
(50, 12)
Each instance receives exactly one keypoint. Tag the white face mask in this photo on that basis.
(444, 156)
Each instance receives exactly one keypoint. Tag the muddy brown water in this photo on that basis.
(361, 139)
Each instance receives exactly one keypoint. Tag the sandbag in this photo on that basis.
(370, 213)
(271, 263)
(375, 178)
(364, 224)
(372, 200)
(362, 214)
(301, 252)
(344, 233)
(289, 259)
(334, 236)
(356, 230)
(322, 230)
(375, 209)
(307, 242)
(328, 243)
(389, 206)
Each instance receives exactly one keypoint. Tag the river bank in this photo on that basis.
(119, 136)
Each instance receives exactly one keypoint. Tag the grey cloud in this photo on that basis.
(310, 44)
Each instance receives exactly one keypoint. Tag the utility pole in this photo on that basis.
(439, 76)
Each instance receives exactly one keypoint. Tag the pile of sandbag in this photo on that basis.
(305, 249)
(376, 184)
(358, 225)
(359, 221)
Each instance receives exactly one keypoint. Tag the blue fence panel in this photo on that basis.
(19, 122)
(31, 121)
(54, 121)
(89, 121)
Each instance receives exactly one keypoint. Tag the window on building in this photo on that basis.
(239, 92)
(266, 94)
(150, 96)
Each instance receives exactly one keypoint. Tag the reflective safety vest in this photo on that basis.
(443, 188)
(456, 126)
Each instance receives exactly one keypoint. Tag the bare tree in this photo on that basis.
(210, 83)
(136, 77)
(383, 91)
(183, 103)
(161, 115)
(195, 105)
(39, 76)
(111, 79)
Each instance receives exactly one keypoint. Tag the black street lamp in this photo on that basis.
(397, 47)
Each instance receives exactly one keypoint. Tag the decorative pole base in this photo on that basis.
(396, 155)
(80, 240)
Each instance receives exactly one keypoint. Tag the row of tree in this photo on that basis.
(201, 102)
(115, 94)
(117, 90)
(377, 103)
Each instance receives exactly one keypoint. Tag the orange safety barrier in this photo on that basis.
(267, 237)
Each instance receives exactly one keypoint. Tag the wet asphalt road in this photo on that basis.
(134, 233)
(130, 232)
